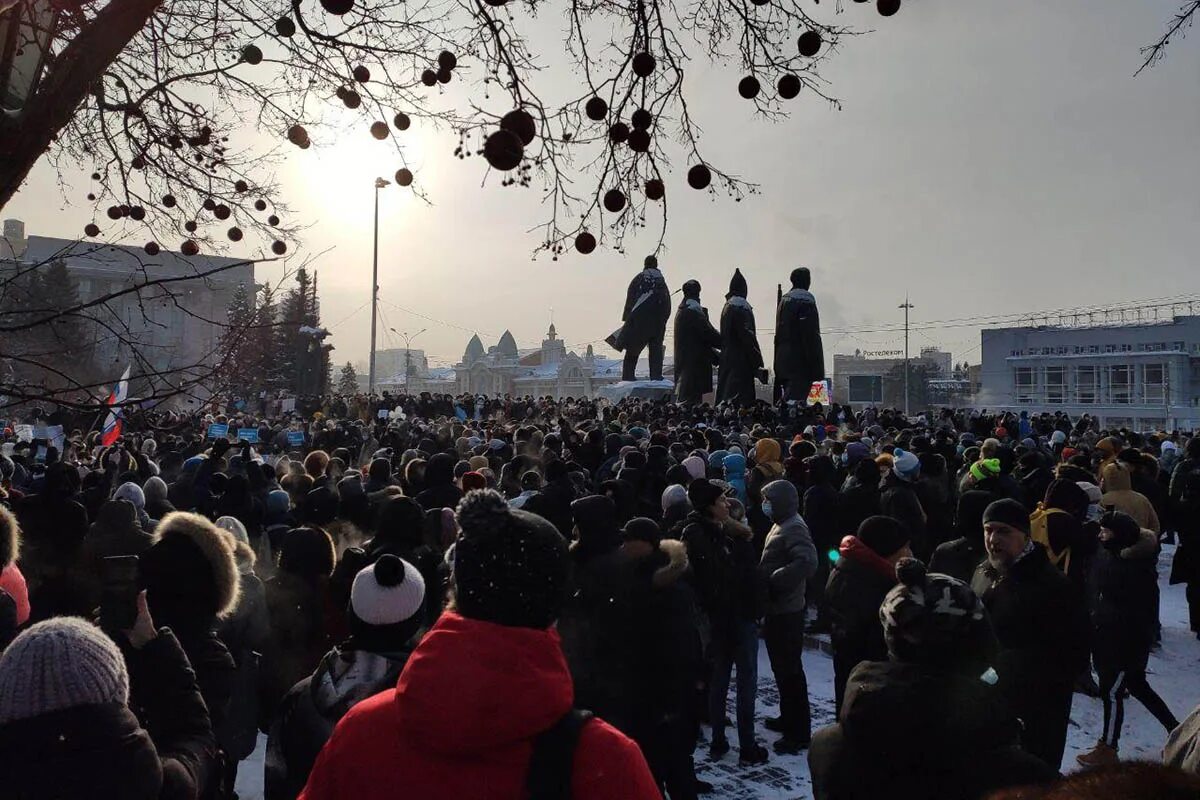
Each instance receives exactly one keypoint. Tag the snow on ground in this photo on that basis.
(1174, 673)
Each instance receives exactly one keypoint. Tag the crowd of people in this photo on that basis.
(528, 597)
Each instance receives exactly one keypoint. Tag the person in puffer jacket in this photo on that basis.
(385, 614)
(481, 686)
(789, 559)
(735, 474)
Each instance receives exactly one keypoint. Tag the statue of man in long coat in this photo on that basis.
(696, 345)
(741, 357)
(799, 355)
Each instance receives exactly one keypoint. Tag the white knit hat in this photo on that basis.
(389, 591)
(57, 664)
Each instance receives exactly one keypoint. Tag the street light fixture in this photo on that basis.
(379, 184)
(407, 352)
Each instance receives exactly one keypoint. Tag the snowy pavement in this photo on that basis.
(1174, 672)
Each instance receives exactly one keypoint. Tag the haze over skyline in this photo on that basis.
(989, 159)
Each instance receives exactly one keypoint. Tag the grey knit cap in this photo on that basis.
(58, 664)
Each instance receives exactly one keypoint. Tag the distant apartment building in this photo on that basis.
(1141, 376)
(171, 326)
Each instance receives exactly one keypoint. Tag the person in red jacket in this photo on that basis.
(485, 681)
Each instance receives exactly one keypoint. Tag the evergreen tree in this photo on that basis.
(234, 348)
(347, 380)
(263, 354)
(61, 345)
(301, 354)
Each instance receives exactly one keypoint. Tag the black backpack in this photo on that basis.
(552, 762)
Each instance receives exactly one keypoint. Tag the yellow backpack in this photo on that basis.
(1039, 531)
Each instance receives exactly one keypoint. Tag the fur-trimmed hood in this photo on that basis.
(676, 566)
(1145, 547)
(216, 547)
(10, 537)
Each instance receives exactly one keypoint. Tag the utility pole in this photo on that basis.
(379, 184)
(906, 306)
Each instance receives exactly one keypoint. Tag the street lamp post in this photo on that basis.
(379, 184)
(906, 306)
(407, 355)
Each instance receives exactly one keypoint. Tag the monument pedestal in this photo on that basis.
(639, 390)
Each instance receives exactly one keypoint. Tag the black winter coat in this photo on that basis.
(799, 355)
(907, 732)
(741, 357)
(1041, 623)
(553, 503)
(696, 349)
(898, 500)
(959, 558)
(724, 572)
(855, 503)
(1126, 607)
(857, 585)
(103, 751)
(298, 640)
(594, 627)
(647, 309)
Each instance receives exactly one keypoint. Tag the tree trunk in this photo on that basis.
(25, 137)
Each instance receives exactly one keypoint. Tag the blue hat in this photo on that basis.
(906, 465)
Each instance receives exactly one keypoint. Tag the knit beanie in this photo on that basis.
(932, 618)
(702, 494)
(155, 488)
(473, 480)
(133, 493)
(58, 664)
(510, 567)
(906, 465)
(1008, 512)
(884, 535)
(674, 495)
(642, 529)
(695, 467)
(985, 468)
(350, 486)
(389, 591)
(856, 452)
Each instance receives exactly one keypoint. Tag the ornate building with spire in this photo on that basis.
(547, 370)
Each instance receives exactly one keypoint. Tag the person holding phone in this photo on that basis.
(83, 717)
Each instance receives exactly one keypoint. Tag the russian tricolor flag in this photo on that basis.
(112, 425)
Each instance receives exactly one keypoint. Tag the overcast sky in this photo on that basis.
(990, 158)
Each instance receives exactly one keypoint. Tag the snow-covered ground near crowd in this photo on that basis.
(1174, 673)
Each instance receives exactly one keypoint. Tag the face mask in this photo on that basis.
(766, 507)
(845, 458)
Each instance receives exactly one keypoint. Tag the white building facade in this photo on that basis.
(547, 370)
(1140, 376)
